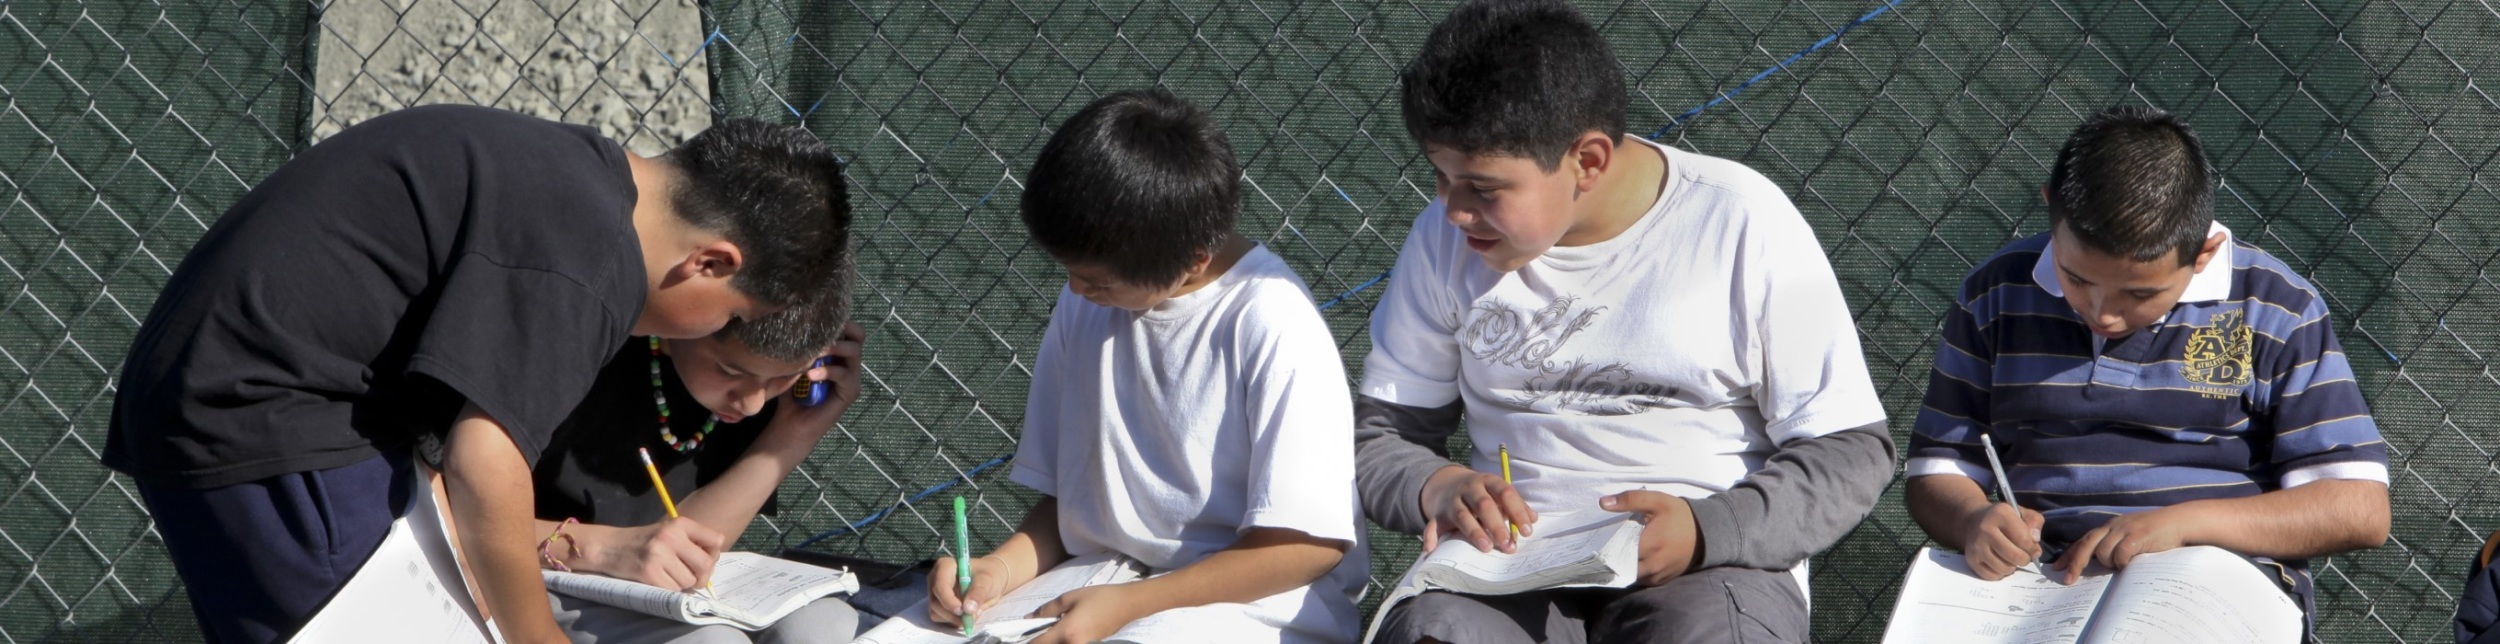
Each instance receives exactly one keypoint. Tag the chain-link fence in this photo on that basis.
(1913, 134)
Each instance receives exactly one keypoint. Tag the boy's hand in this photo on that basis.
(1998, 538)
(1670, 542)
(1092, 613)
(989, 581)
(674, 553)
(2116, 543)
(1477, 506)
(842, 372)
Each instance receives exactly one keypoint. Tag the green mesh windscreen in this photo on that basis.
(1914, 135)
(125, 129)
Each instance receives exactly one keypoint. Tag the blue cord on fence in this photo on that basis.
(881, 513)
(1782, 65)
(1358, 288)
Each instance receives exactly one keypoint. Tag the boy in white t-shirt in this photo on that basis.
(1648, 330)
(1188, 408)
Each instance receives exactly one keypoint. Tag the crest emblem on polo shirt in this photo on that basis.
(2217, 355)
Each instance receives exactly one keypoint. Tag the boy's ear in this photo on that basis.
(715, 259)
(1588, 159)
(1199, 260)
(2213, 244)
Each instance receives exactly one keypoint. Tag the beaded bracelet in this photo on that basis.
(546, 549)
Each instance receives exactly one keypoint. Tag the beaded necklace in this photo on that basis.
(659, 397)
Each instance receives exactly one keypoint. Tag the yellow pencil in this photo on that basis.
(665, 502)
(1505, 448)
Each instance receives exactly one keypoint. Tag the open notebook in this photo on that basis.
(1009, 618)
(1567, 550)
(2200, 595)
(753, 591)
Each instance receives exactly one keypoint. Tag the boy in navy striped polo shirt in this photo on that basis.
(2153, 383)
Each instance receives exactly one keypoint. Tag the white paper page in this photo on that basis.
(1007, 613)
(757, 585)
(1090, 570)
(913, 627)
(410, 590)
(1560, 541)
(2199, 595)
(1013, 631)
(1941, 601)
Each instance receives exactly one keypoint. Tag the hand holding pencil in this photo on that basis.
(1480, 508)
(960, 584)
(661, 486)
(1999, 538)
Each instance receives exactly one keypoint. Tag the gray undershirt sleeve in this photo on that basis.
(1805, 498)
(1397, 447)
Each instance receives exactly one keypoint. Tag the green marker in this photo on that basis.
(963, 564)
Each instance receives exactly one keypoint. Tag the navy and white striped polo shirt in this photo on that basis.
(2241, 389)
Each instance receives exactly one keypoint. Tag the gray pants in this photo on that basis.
(1714, 605)
(587, 622)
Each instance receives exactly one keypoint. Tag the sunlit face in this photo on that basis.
(1096, 283)
(2115, 295)
(1511, 209)
(730, 380)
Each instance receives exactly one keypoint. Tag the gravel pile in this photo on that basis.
(633, 68)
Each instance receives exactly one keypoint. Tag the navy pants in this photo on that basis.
(260, 558)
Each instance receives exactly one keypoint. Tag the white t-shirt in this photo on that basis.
(1167, 434)
(1675, 356)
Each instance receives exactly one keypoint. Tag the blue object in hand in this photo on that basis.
(809, 391)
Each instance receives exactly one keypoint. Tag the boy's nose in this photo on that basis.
(2110, 319)
(751, 402)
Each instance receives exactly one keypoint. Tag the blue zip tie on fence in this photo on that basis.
(881, 513)
(1782, 65)
(1357, 289)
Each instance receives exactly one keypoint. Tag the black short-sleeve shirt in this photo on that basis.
(359, 295)
(590, 471)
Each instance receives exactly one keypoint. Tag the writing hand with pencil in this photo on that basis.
(673, 553)
(1031, 549)
(949, 606)
(1476, 507)
(686, 570)
(1999, 538)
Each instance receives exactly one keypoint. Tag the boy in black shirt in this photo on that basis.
(723, 446)
(439, 267)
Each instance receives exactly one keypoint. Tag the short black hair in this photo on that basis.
(1136, 182)
(2132, 182)
(1521, 78)
(777, 193)
(800, 331)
